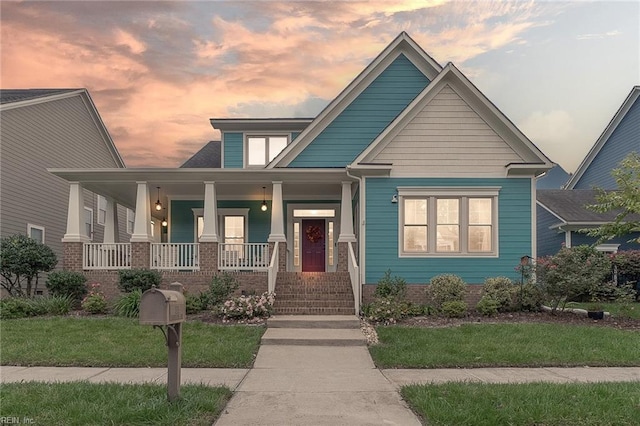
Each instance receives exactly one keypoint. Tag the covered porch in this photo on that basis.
(209, 221)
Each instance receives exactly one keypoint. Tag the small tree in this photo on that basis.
(625, 200)
(22, 259)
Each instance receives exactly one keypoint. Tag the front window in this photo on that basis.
(36, 232)
(261, 150)
(131, 217)
(461, 222)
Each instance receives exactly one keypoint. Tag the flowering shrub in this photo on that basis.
(94, 302)
(569, 274)
(387, 310)
(446, 288)
(248, 307)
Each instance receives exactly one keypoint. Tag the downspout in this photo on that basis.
(360, 227)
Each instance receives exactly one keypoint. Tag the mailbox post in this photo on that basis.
(167, 310)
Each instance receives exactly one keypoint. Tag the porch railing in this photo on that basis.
(106, 256)
(243, 257)
(273, 269)
(175, 257)
(354, 272)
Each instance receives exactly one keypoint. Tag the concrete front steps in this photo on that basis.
(314, 293)
(314, 330)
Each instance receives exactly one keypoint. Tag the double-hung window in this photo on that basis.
(102, 210)
(448, 221)
(262, 149)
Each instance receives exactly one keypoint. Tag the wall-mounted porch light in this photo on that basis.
(394, 199)
(158, 203)
(263, 207)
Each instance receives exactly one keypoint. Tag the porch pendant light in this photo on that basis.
(158, 203)
(263, 207)
(164, 220)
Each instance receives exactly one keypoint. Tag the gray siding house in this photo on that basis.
(44, 128)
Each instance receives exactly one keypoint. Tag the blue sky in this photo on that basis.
(157, 71)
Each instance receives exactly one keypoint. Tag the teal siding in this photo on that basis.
(514, 218)
(233, 150)
(625, 139)
(182, 223)
(368, 115)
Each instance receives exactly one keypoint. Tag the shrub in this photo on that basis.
(391, 286)
(220, 288)
(94, 302)
(195, 303)
(15, 307)
(446, 288)
(530, 297)
(500, 289)
(454, 309)
(22, 259)
(138, 279)
(67, 283)
(569, 274)
(487, 306)
(248, 307)
(387, 310)
(128, 305)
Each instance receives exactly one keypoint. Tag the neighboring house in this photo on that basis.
(555, 178)
(209, 156)
(43, 128)
(563, 213)
(410, 168)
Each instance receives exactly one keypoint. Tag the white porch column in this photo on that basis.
(277, 216)
(75, 215)
(142, 224)
(346, 215)
(210, 215)
(111, 234)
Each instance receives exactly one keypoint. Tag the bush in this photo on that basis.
(138, 279)
(52, 305)
(454, 309)
(391, 286)
(387, 310)
(569, 274)
(530, 297)
(220, 288)
(248, 307)
(15, 307)
(128, 305)
(67, 283)
(195, 303)
(487, 306)
(94, 302)
(446, 288)
(500, 289)
(21, 261)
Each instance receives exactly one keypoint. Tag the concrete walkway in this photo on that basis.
(317, 371)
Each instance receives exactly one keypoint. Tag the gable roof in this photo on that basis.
(570, 206)
(403, 44)
(604, 137)
(18, 98)
(555, 178)
(533, 160)
(8, 96)
(209, 156)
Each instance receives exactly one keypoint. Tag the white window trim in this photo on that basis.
(31, 226)
(100, 202)
(266, 135)
(89, 209)
(221, 213)
(462, 193)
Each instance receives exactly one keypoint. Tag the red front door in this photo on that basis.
(313, 245)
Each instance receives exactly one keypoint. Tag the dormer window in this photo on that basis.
(262, 149)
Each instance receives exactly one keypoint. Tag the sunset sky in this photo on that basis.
(157, 71)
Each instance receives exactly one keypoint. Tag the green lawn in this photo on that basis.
(83, 403)
(526, 404)
(122, 342)
(617, 310)
(505, 345)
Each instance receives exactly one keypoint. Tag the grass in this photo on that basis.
(83, 403)
(617, 310)
(526, 404)
(505, 345)
(122, 342)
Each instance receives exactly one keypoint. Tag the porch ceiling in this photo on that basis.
(120, 184)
